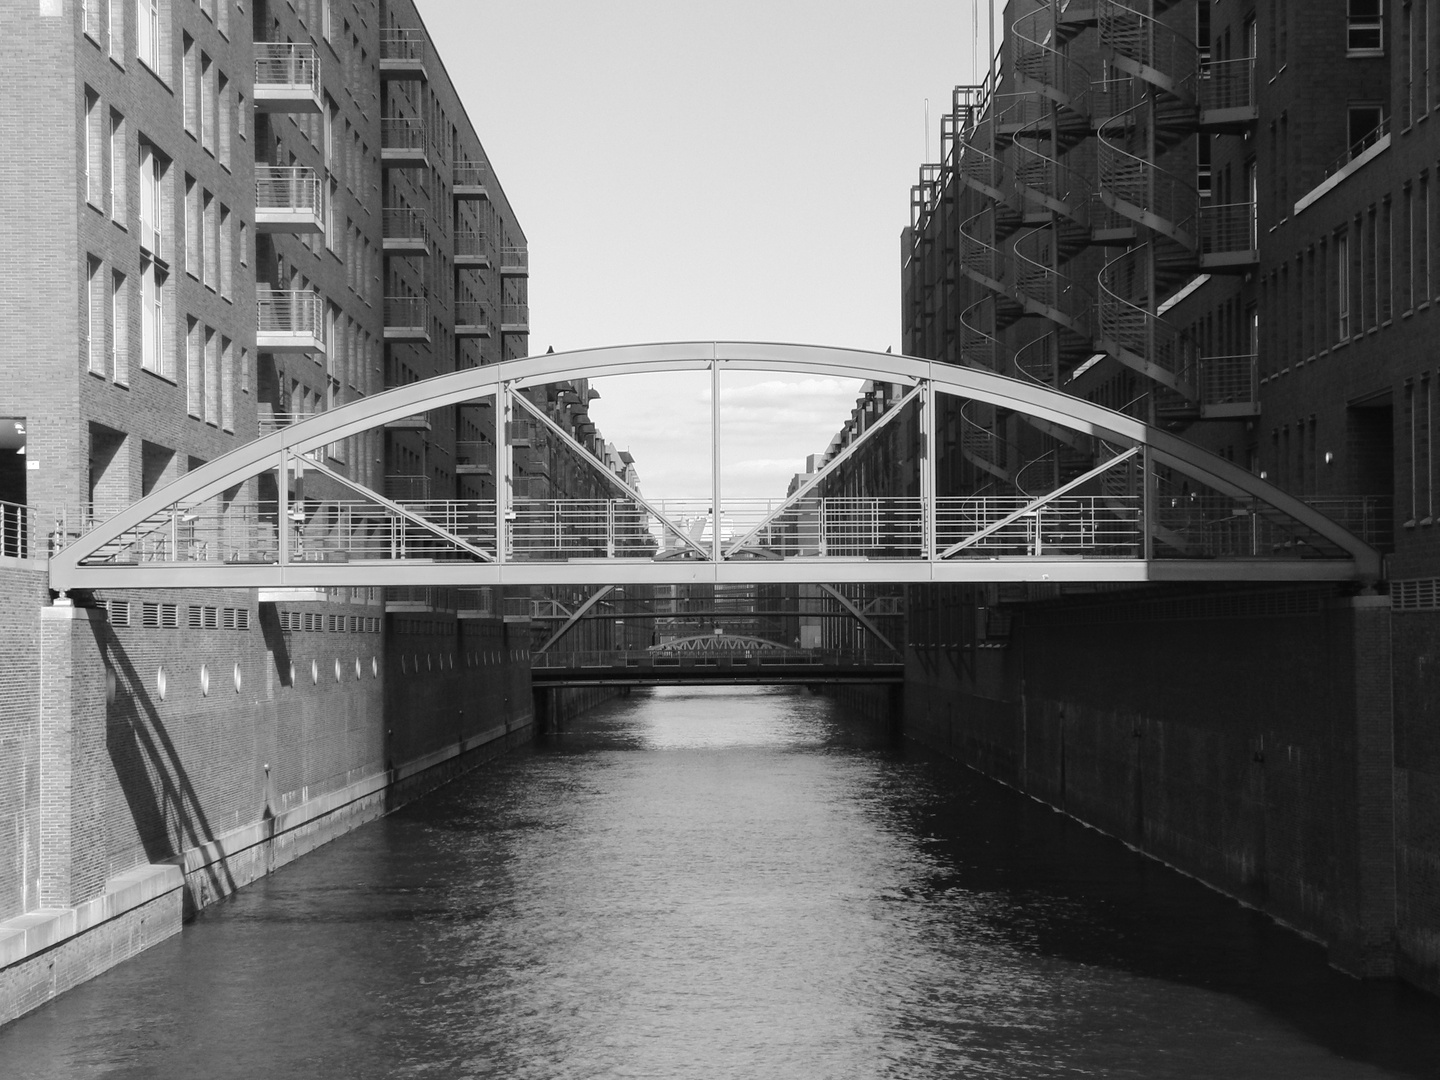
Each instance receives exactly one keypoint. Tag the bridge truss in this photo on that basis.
(1152, 508)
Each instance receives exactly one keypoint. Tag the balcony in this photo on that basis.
(1229, 387)
(288, 200)
(1227, 96)
(407, 319)
(469, 180)
(402, 54)
(472, 249)
(474, 457)
(472, 319)
(407, 231)
(287, 78)
(403, 143)
(475, 603)
(289, 320)
(514, 262)
(1227, 238)
(515, 319)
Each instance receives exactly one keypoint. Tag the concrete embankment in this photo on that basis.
(159, 751)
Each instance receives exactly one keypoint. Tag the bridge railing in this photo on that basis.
(646, 660)
(17, 531)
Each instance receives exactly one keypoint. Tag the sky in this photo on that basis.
(731, 169)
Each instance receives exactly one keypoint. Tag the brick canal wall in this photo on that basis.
(148, 770)
(1280, 746)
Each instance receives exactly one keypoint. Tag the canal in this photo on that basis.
(726, 883)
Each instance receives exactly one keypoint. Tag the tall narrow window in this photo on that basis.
(1406, 260)
(1364, 31)
(207, 103)
(209, 223)
(194, 369)
(227, 384)
(227, 253)
(93, 12)
(154, 171)
(95, 316)
(117, 31)
(119, 329)
(190, 83)
(1413, 419)
(1342, 286)
(147, 34)
(154, 355)
(1385, 263)
(94, 157)
(116, 164)
(224, 108)
(244, 370)
(193, 227)
(212, 376)
(1407, 58)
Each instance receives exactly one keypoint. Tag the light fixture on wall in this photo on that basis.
(1329, 458)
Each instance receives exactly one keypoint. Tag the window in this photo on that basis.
(193, 228)
(225, 107)
(244, 244)
(244, 370)
(154, 352)
(189, 84)
(1366, 125)
(119, 329)
(147, 34)
(94, 181)
(227, 253)
(194, 371)
(1385, 260)
(227, 384)
(94, 17)
(1407, 57)
(116, 159)
(94, 341)
(207, 103)
(212, 376)
(1342, 285)
(117, 31)
(154, 172)
(210, 222)
(1364, 34)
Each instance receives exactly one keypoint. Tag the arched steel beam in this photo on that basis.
(1026, 397)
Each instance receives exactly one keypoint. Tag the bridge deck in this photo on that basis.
(642, 669)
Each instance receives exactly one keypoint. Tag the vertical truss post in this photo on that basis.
(1147, 502)
(715, 457)
(928, 486)
(282, 522)
(504, 473)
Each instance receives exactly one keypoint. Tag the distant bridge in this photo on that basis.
(1153, 507)
(749, 662)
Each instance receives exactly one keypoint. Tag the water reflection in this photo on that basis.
(714, 883)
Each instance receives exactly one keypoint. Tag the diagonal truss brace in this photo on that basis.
(834, 464)
(396, 508)
(570, 441)
(859, 616)
(1030, 508)
(576, 615)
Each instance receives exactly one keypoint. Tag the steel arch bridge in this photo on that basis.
(1153, 507)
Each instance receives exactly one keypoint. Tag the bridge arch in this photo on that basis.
(92, 560)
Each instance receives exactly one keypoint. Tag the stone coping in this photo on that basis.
(35, 931)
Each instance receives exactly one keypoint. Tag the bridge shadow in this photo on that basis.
(164, 806)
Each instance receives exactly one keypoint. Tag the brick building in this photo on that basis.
(1219, 218)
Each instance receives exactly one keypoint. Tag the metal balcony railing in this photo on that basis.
(471, 245)
(17, 530)
(1370, 517)
(402, 44)
(402, 487)
(472, 313)
(473, 454)
(404, 133)
(470, 174)
(282, 65)
(1358, 147)
(291, 190)
(1229, 380)
(292, 312)
(476, 601)
(406, 223)
(1227, 228)
(515, 315)
(1227, 84)
(514, 260)
(407, 311)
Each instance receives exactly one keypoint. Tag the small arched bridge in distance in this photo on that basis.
(723, 659)
(1152, 508)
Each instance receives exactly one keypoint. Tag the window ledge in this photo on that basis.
(1363, 54)
(161, 376)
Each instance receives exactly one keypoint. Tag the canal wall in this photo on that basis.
(1280, 745)
(159, 751)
